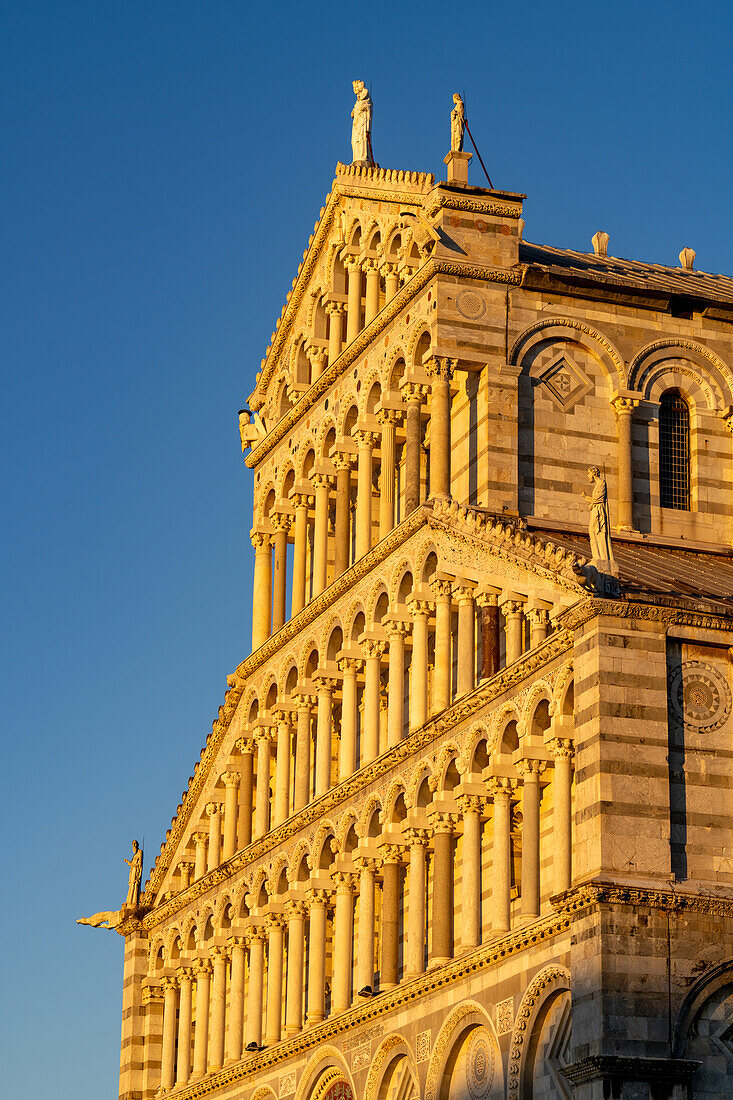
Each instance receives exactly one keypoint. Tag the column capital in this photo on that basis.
(538, 615)
(280, 521)
(261, 540)
(391, 853)
(530, 769)
(305, 700)
(389, 417)
(441, 587)
(561, 746)
(512, 608)
(186, 863)
(418, 607)
(728, 418)
(444, 823)
(350, 664)
(369, 265)
(366, 863)
(319, 897)
(499, 785)
(152, 993)
(336, 307)
(274, 922)
(237, 941)
(296, 908)
(254, 934)
(471, 804)
(352, 262)
(413, 392)
(625, 405)
(397, 628)
(464, 591)
(316, 354)
(263, 735)
(373, 647)
(231, 779)
(245, 745)
(440, 368)
(365, 438)
(213, 808)
(417, 838)
(203, 969)
(169, 981)
(220, 953)
(346, 882)
(324, 681)
(199, 838)
(486, 599)
(342, 461)
(185, 974)
(321, 481)
(283, 716)
(300, 500)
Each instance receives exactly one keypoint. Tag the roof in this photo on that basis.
(676, 575)
(610, 270)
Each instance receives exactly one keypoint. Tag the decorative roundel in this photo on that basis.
(470, 304)
(699, 696)
(480, 1064)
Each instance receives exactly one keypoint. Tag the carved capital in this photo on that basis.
(463, 593)
(417, 838)
(366, 864)
(538, 616)
(199, 838)
(512, 609)
(561, 746)
(471, 804)
(203, 969)
(320, 481)
(263, 736)
(319, 897)
(413, 393)
(350, 664)
(296, 910)
(213, 808)
(260, 540)
(254, 935)
(531, 769)
(418, 607)
(391, 853)
(185, 974)
(389, 417)
(499, 786)
(168, 981)
(305, 701)
(445, 823)
(365, 438)
(231, 779)
(220, 953)
(345, 882)
(274, 922)
(335, 307)
(245, 745)
(441, 588)
(625, 405)
(280, 521)
(373, 648)
(440, 368)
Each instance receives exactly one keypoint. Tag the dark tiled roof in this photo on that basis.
(687, 576)
(609, 270)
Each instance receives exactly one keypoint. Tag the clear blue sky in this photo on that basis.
(162, 166)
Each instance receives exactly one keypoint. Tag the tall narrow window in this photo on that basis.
(674, 451)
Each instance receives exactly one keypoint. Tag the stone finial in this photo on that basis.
(600, 241)
(687, 258)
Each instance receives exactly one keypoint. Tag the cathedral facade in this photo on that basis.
(462, 827)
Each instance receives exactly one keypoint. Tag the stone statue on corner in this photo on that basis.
(136, 873)
(599, 526)
(361, 129)
(457, 124)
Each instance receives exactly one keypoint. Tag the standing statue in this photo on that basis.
(136, 873)
(599, 527)
(457, 124)
(361, 130)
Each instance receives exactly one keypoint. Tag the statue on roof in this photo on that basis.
(457, 124)
(361, 129)
(113, 918)
(599, 527)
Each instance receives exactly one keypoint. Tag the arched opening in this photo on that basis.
(674, 451)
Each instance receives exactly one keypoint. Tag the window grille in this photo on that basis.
(674, 451)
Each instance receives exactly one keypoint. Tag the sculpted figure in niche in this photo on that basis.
(361, 130)
(457, 124)
(599, 527)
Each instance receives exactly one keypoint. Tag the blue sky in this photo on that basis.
(162, 166)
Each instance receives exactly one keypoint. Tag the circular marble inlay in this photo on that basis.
(699, 696)
(470, 304)
(480, 1064)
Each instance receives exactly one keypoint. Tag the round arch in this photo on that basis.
(464, 1018)
(544, 989)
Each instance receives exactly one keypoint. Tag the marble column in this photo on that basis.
(201, 1032)
(365, 441)
(275, 930)
(335, 311)
(343, 940)
(391, 872)
(168, 1053)
(349, 668)
(471, 808)
(489, 634)
(442, 927)
(562, 749)
(318, 358)
(281, 526)
(324, 732)
(530, 770)
(420, 611)
(365, 950)
(466, 673)
(396, 697)
(391, 281)
(213, 809)
(262, 589)
(624, 407)
(441, 372)
(372, 670)
(300, 551)
(443, 661)
(282, 767)
(416, 895)
(318, 904)
(501, 860)
(231, 813)
(413, 395)
(343, 513)
(185, 1014)
(388, 420)
(539, 621)
(246, 748)
(185, 870)
(321, 485)
(218, 1007)
(235, 1030)
(353, 292)
(514, 618)
(296, 914)
(371, 271)
(199, 867)
(262, 808)
(301, 792)
(253, 1034)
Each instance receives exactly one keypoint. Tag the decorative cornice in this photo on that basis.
(475, 204)
(669, 901)
(615, 1067)
(583, 612)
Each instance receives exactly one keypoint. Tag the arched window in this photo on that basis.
(674, 451)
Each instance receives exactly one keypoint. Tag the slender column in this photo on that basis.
(318, 359)
(262, 589)
(396, 697)
(420, 611)
(489, 634)
(183, 1065)
(335, 311)
(539, 621)
(391, 281)
(501, 864)
(388, 420)
(262, 809)
(413, 396)
(531, 771)
(347, 754)
(624, 407)
(343, 511)
(370, 741)
(185, 869)
(231, 813)
(281, 525)
(442, 946)
(365, 951)
(514, 616)
(282, 767)
(275, 929)
(321, 484)
(389, 973)
(246, 748)
(218, 1007)
(296, 913)
(201, 1034)
(441, 372)
(562, 749)
(317, 957)
(324, 732)
(213, 809)
(304, 708)
(371, 271)
(416, 931)
(199, 867)
(235, 1030)
(300, 548)
(466, 678)
(353, 292)
(443, 667)
(365, 442)
(168, 1054)
(343, 941)
(472, 808)
(253, 1035)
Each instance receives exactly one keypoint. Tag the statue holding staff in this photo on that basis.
(361, 129)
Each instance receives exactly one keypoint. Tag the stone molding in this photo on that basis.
(616, 1067)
